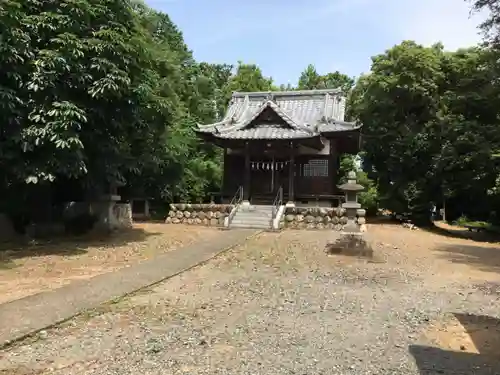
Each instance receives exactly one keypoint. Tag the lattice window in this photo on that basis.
(315, 168)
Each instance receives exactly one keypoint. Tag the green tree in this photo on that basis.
(430, 127)
(75, 85)
(310, 79)
(104, 93)
(187, 168)
(248, 77)
(399, 105)
(491, 25)
(82, 90)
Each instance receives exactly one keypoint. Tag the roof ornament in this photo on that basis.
(217, 131)
(270, 97)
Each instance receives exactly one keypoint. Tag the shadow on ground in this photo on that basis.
(68, 246)
(483, 258)
(483, 332)
(432, 361)
(463, 233)
(441, 229)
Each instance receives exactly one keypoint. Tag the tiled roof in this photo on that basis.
(265, 132)
(307, 113)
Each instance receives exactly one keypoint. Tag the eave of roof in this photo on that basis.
(268, 132)
(338, 127)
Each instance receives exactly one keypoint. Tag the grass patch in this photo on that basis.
(464, 221)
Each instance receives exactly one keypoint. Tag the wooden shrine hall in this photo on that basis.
(283, 143)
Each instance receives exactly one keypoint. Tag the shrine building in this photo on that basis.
(286, 143)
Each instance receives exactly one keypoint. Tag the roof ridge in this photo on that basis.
(240, 94)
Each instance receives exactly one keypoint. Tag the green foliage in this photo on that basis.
(310, 79)
(75, 72)
(490, 25)
(106, 93)
(464, 221)
(369, 198)
(430, 127)
(347, 164)
(248, 77)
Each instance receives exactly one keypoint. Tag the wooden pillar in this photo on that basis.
(333, 166)
(223, 187)
(246, 182)
(291, 175)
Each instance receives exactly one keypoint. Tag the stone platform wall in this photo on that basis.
(315, 218)
(198, 214)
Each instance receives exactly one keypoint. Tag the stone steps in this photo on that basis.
(255, 217)
(250, 226)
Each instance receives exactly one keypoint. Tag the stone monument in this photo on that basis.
(352, 240)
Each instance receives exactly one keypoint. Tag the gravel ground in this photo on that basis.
(280, 305)
(33, 269)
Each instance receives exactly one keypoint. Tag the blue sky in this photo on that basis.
(284, 36)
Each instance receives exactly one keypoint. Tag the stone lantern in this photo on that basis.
(352, 239)
(351, 205)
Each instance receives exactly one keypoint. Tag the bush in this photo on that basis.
(368, 198)
(465, 221)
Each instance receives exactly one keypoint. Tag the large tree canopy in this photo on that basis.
(104, 93)
(430, 126)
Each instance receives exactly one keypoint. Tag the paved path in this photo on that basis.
(28, 315)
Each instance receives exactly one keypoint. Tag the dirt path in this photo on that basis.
(279, 305)
(35, 269)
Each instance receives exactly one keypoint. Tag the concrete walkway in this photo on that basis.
(23, 317)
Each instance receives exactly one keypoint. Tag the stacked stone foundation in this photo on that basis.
(198, 214)
(316, 218)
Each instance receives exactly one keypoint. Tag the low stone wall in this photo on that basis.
(315, 218)
(198, 214)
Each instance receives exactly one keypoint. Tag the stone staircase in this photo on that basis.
(253, 216)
